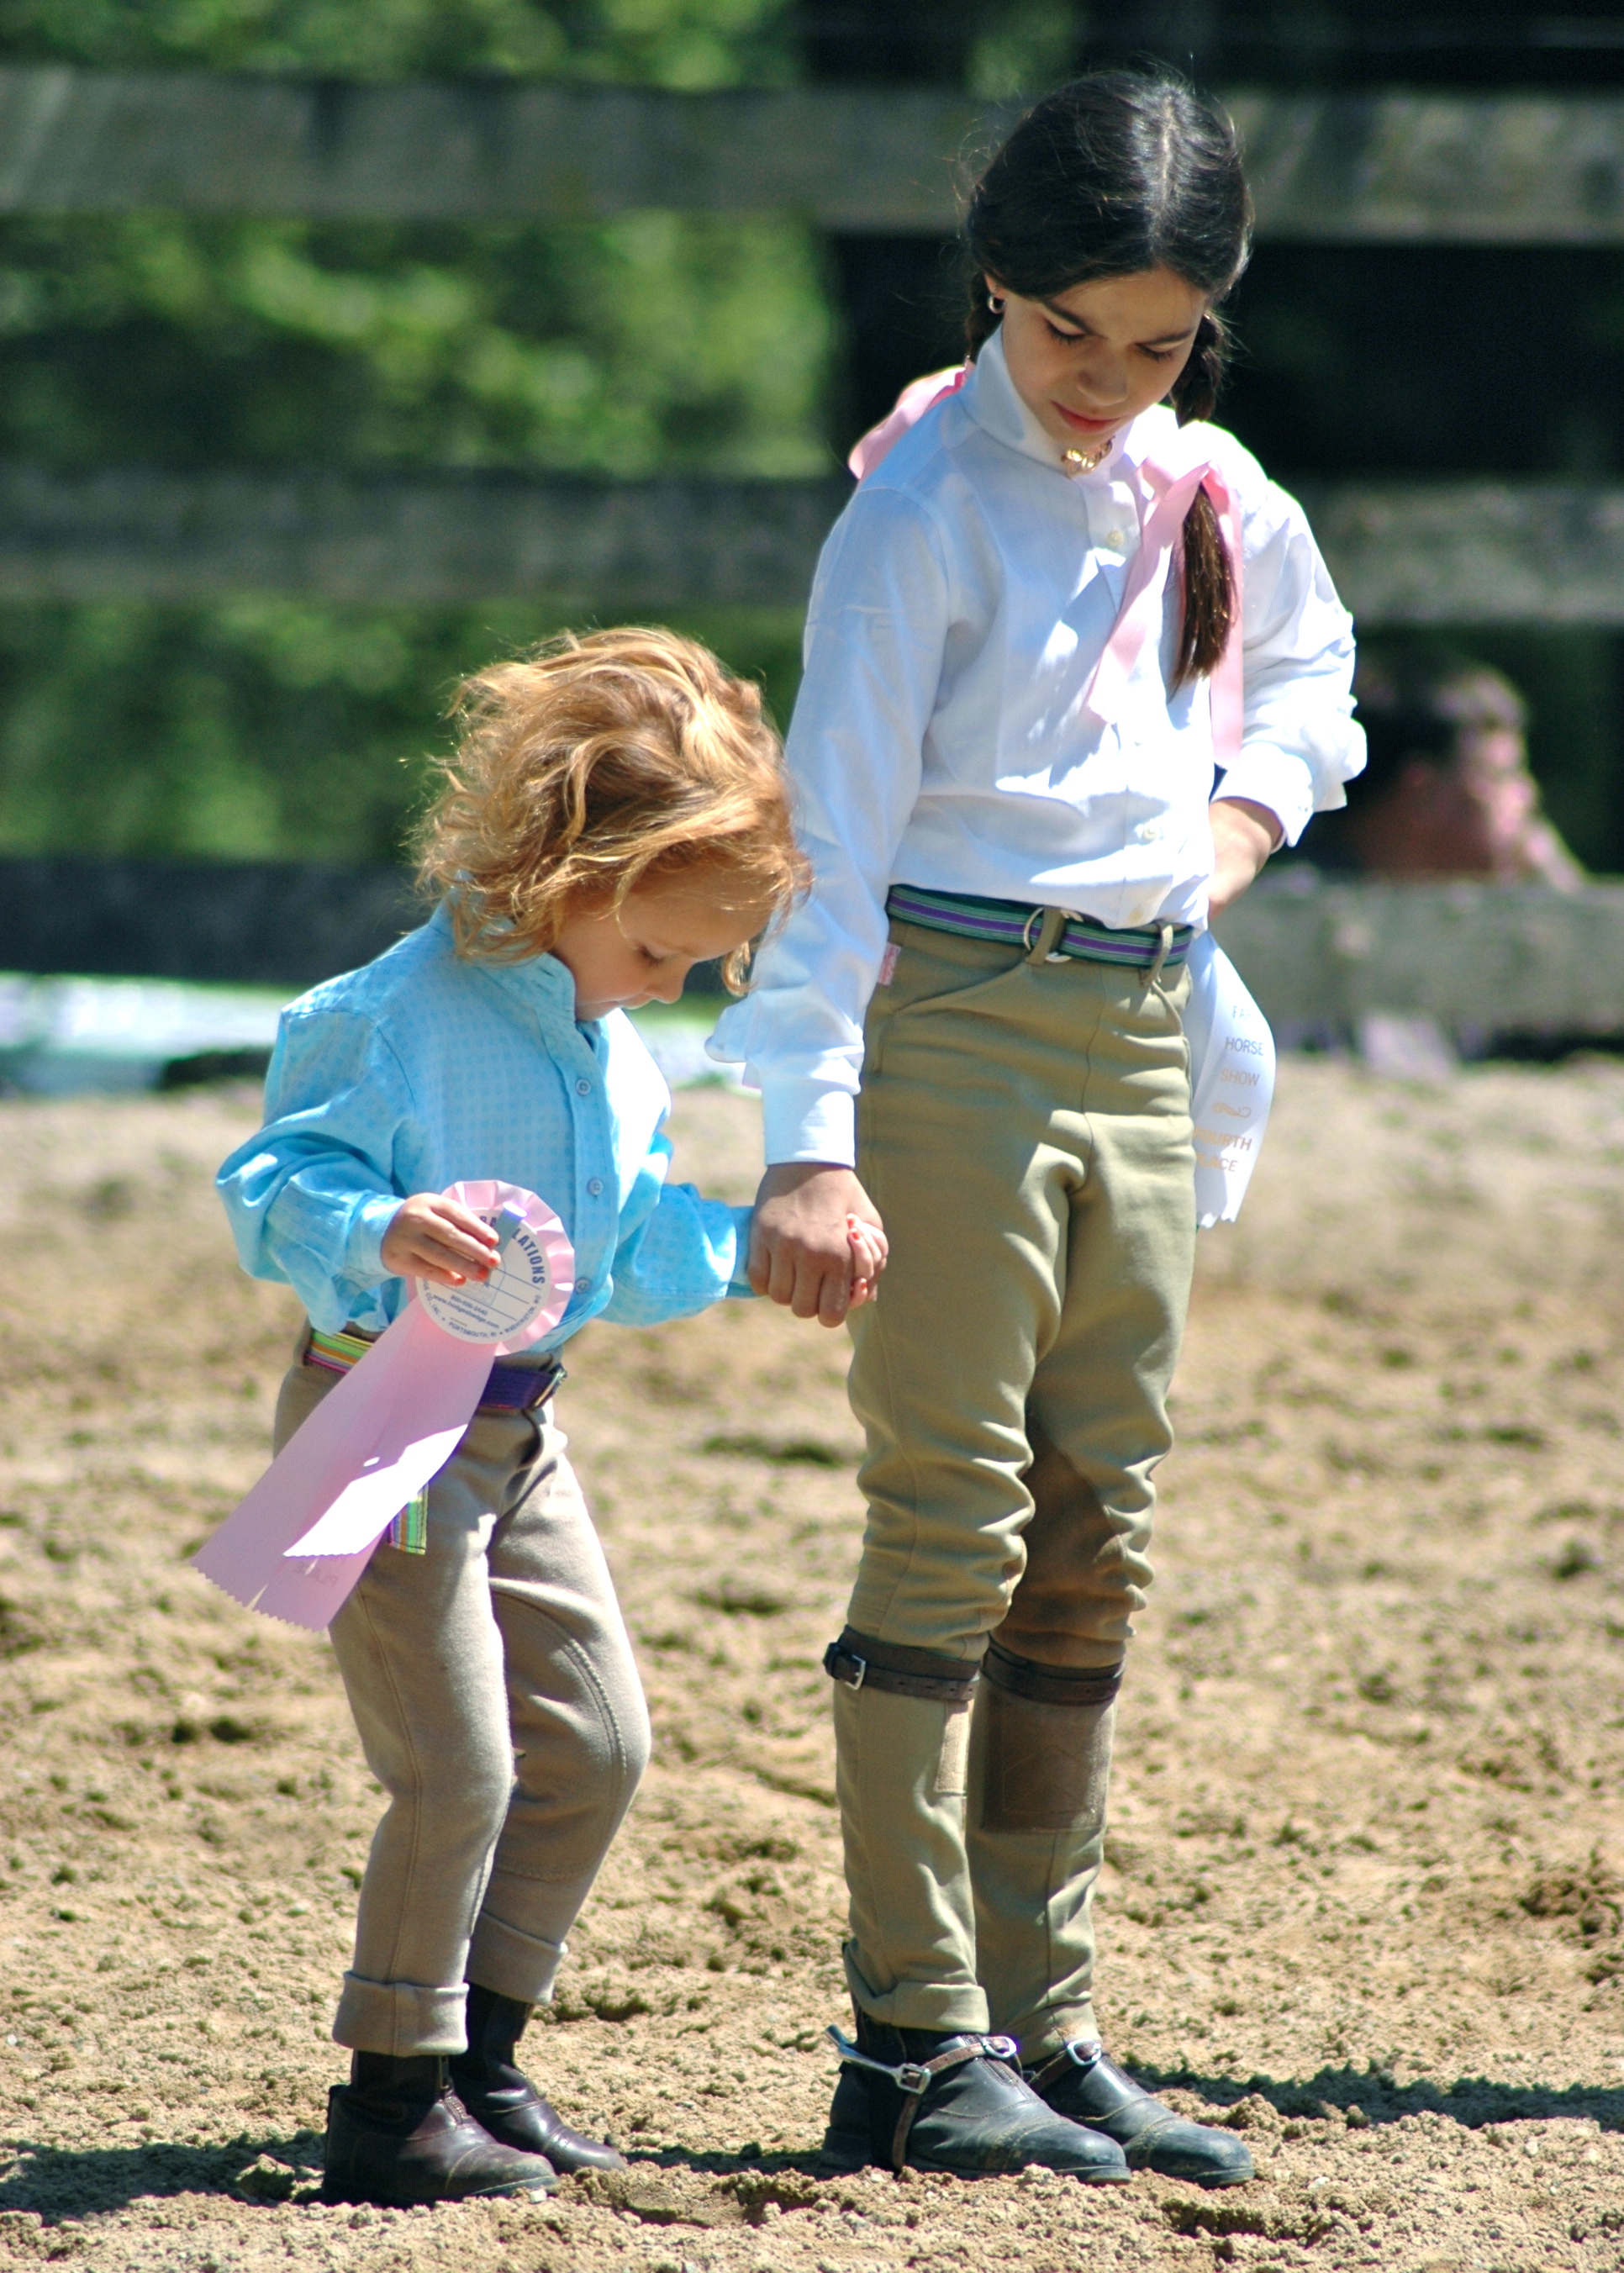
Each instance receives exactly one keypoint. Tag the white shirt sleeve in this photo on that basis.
(875, 635)
(1300, 743)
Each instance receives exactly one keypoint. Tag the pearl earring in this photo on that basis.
(995, 301)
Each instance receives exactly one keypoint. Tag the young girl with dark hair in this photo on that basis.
(1056, 604)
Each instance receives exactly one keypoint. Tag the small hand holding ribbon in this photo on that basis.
(294, 1547)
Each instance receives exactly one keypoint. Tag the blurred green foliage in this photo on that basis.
(258, 729)
(679, 43)
(654, 342)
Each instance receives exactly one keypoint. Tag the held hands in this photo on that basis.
(816, 1242)
(1243, 836)
(432, 1237)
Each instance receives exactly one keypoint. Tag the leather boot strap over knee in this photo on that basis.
(861, 1663)
(1051, 1685)
(914, 2078)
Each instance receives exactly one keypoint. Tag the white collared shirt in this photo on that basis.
(961, 604)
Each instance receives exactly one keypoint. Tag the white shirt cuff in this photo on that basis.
(808, 1121)
(1271, 778)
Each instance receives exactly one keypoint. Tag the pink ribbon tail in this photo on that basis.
(295, 1546)
(1139, 617)
(918, 396)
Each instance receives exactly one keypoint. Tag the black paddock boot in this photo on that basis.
(910, 2098)
(1082, 2083)
(498, 2095)
(398, 2134)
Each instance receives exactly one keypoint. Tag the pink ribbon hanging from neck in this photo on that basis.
(1176, 474)
(294, 1547)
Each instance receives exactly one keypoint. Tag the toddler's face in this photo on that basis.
(644, 949)
(1087, 362)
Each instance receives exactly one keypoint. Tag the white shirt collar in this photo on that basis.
(989, 395)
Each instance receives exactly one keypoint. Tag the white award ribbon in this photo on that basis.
(1231, 1081)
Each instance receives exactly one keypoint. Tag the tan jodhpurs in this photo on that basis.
(1024, 1129)
(499, 1706)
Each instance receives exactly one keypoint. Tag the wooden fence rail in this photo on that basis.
(1422, 553)
(1379, 169)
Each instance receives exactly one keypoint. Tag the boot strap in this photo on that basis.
(914, 2078)
(861, 1663)
(1082, 2053)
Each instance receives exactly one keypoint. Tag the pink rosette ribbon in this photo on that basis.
(295, 1546)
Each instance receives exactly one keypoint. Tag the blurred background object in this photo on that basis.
(1447, 789)
(341, 348)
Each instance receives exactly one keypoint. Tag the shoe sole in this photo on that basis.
(1188, 2178)
(846, 2159)
(530, 2190)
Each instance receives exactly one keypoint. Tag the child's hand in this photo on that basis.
(431, 1237)
(869, 1249)
(802, 1252)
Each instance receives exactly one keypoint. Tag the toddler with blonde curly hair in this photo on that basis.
(615, 812)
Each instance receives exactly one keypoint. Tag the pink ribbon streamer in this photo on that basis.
(1176, 475)
(911, 404)
(295, 1546)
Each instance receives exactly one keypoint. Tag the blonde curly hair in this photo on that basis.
(597, 763)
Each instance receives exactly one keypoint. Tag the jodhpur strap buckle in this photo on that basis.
(846, 1666)
(860, 1662)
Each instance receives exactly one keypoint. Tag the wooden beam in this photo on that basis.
(1380, 168)
(75, 141)
(424, 539)
(1474, 553)
(1480, 958)
(1435, 169)
(1432, 554)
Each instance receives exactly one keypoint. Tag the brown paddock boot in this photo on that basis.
(398, 2135)
(500, 2097)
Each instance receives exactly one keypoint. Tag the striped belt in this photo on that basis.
(508, 1389)
(1017, 923)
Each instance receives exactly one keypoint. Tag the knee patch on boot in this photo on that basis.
(1047, 1754)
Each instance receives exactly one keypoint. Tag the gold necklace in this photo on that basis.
(1084, 462)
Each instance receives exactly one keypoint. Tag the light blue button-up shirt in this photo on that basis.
(424, 1070)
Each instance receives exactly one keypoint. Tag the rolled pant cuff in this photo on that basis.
(941, 2007)
(514, 1964)
(1048, 2033)
(401, 2018)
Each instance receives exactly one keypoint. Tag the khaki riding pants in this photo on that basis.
(499, 1706)
(1024, 1129)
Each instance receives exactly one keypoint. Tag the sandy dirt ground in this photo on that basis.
(1363, 1900)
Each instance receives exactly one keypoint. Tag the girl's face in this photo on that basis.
(641, 951)
(1089, 360)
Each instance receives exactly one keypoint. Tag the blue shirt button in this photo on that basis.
(583, 1088)
(596, 1185)
(583, 1285)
